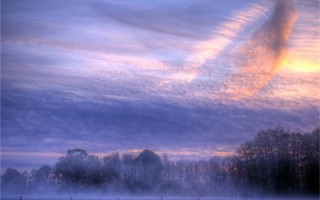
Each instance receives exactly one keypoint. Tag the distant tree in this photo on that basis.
(13, 181)
(149, 170)
(113, 168)
(129, 172)
(77, 153)
(41, 179)
(94, 175)
(170, 184)
(71, 169)
(310, 161)
(278, 161)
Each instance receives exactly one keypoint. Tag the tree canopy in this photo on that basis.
(275, 162)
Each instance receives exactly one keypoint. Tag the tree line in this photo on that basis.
(275, 162)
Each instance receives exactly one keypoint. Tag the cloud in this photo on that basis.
(304, 49)
(219, 39)
(88, 77)
(263, 55)
(170, 19)
(53, 121)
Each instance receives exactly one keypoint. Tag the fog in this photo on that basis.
(276, 163)
(108, 197)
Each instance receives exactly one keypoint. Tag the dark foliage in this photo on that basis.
(275, 162)
(280, 162)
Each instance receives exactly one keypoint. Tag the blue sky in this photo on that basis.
(192, 79)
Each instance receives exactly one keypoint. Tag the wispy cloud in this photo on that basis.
(221, 37)
(263, 55)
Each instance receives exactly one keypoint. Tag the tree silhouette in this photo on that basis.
(149, 170)
(12, 181)
(280, 161)
(71, 169)
(275, 162)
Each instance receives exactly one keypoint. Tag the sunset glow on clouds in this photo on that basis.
(191, 79)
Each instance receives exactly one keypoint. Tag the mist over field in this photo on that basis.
(276, 163)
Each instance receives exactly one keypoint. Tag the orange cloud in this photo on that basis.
(263, 55)
(304, 50)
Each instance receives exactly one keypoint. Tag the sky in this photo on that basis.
(191, 79)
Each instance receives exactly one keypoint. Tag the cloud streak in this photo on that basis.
(262, 56)
(220, 38)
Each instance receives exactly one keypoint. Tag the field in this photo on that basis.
(151, 198)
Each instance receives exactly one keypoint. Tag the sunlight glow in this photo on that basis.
(303, 65)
